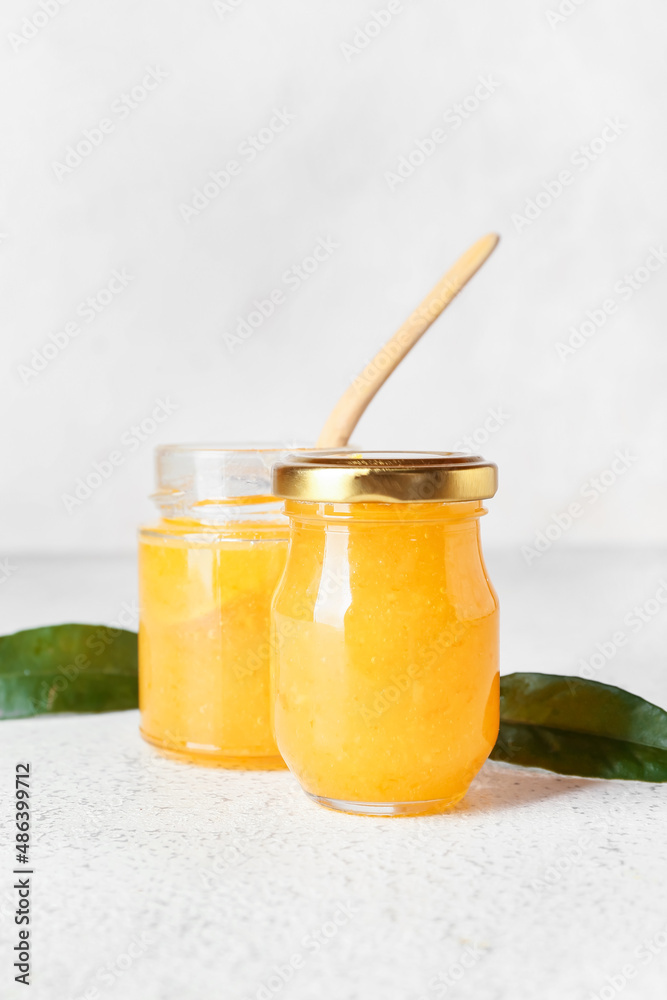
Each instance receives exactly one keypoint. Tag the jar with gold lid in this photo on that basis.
(385, 629)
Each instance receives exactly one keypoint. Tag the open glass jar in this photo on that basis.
(207, 573)
(385, 630)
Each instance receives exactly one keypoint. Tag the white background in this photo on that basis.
(325, 176)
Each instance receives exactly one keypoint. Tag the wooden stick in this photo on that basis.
(349, 408)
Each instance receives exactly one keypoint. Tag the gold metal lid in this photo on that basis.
(384, 476)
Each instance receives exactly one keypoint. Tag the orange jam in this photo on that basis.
(207, 574)
(203, 642)
(385, 646)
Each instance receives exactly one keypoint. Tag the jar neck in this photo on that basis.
(180, 507)
(447, 512)
(218, 485)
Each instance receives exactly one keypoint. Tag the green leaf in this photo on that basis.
(67, 668)
(580, 727)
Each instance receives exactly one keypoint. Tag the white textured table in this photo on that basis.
(159, 881)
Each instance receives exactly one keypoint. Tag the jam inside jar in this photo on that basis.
(385, 631)
(207, 573)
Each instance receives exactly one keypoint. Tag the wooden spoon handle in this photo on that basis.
(349, 408)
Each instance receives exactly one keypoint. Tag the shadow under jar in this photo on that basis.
(207, 574)
(385, 630)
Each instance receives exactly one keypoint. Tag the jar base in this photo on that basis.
(427, 807)
(189, 754)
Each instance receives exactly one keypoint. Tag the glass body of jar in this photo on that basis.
(386, 681)
(207, 574)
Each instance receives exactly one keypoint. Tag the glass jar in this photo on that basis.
(207, 573)
(385, 630)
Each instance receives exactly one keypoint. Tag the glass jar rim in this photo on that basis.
(232, 446)
(218, 482)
